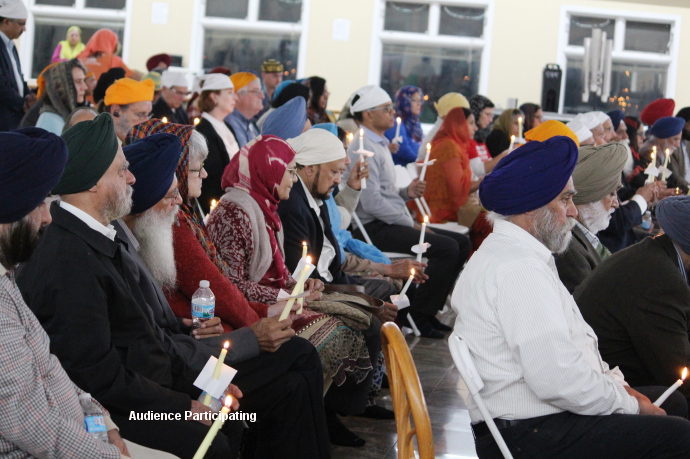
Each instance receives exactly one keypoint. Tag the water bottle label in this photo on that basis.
(216, 404)
(646, 224)
(200, 311)
(94, 424)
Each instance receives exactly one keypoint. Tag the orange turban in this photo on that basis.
(242, 79)
(548, 129)
(127, 91)
(41, 82)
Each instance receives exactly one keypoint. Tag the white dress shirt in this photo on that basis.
(9, 44)
(533, 350)
(107, 231)
(327, 251)
(224, 133)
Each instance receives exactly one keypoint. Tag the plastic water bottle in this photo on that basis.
(647, 220)
(93, 418)
(203, 304)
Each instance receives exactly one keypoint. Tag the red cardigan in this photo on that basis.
(194, 265)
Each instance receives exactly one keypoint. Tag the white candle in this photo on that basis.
(397, 130)
(300, 284)
(217, 370)
(304, 249)
(214, 203)
(668, 155)
(361, 139)
(421, 238)
(426, 162)
(651, 178)
(512, 142)
(671, 389)
(407, 284)
(519, 127)
(213, 431)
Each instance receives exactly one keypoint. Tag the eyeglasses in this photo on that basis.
(174, 196)
(19, 23)
(198, 170)
(388, 108)
(293, 172)
(256, 92)
(143, 115)
(180, 93)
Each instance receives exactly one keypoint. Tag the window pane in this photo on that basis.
(48, 36)
(242, 51)
(436, 70)
(55, 2)
(227, 8)
(581, 28)
(107, 4)
(461, 21)
(649, 37)
(633, 86)
(280, 10)
(406, 17)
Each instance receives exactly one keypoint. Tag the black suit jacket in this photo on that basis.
(638, 303)
(214, 164)
(11, 103)
(171, 333)
(578, 261)
(162, 109)
(81, 291)
(301, 223)
(619, 233)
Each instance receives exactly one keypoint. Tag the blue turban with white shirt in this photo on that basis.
(530, 177)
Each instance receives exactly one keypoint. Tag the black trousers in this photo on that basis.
(285, 389)
(447, 254)
(351, 398)
(625, 436)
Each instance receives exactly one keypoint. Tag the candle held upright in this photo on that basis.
(672, 389)
(213, 431)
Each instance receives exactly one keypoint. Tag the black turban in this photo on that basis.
(530, 177)
(106, 79)
(152, 161)
(31, 163)
(92, 148)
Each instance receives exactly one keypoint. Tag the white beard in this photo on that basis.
(154, 232)
(556, 238)
(594, 216)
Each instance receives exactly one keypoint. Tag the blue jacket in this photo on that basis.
(407, 153)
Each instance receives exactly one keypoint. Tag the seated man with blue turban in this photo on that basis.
(638, 302)
(545, 381)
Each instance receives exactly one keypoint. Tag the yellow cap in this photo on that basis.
(450, 101)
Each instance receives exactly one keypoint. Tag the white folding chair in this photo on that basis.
(391, 255)
(463, 360)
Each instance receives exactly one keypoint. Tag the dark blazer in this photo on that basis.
(171, 333)
(638, 303)
(214, 164)
(11, 103)
(81, 291)
(619, 233)
(677, 165)
(576, 263)
(300, 223)
(162, 109)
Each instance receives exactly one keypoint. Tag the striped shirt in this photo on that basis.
(533, 350)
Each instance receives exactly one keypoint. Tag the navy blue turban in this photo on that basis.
(666, 127)
(31, 163)
(530, 177)
(673, 215)
(616, 118)
(287, 121)
(152, 161)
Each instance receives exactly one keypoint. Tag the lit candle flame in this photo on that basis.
(426, 219)
(226, 345)
(412, 272)
(350, 137)
(361, 132)
(196, 121)
(399, 120)
(512, 139)
(520, 119)
(304, 243)
(308, 262)
(165, 120)
(428, 147)
(214, 203)
(228, 401)
(685, 373)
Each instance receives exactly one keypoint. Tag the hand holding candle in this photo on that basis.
(217, 369)
(300, 284)
(407, 284)
(672, 389)
(213, 431)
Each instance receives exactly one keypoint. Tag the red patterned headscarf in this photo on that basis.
(193, 219)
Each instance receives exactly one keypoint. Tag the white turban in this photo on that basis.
(317, 146)
(13, 9)
(369, 97)
(601, 117)
(588, 120)
(170, 79)
(580, 130)
(211, 82)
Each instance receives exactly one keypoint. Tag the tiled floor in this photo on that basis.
(445, 394)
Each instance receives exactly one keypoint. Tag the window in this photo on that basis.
(242, 34)
(440, 46)
(643, 60)
(49, 20)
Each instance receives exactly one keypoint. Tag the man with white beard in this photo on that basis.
(544, 379)
(597, 178)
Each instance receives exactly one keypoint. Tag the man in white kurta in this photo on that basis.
(546, 386)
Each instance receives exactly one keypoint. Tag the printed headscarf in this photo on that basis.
(403, 109)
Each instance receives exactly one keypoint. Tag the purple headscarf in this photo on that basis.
(403, 109)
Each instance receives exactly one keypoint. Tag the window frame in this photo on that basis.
(251, 24)
(78, 12)
(381, 37)
(619, 53)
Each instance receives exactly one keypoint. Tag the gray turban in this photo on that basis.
(598, 172)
